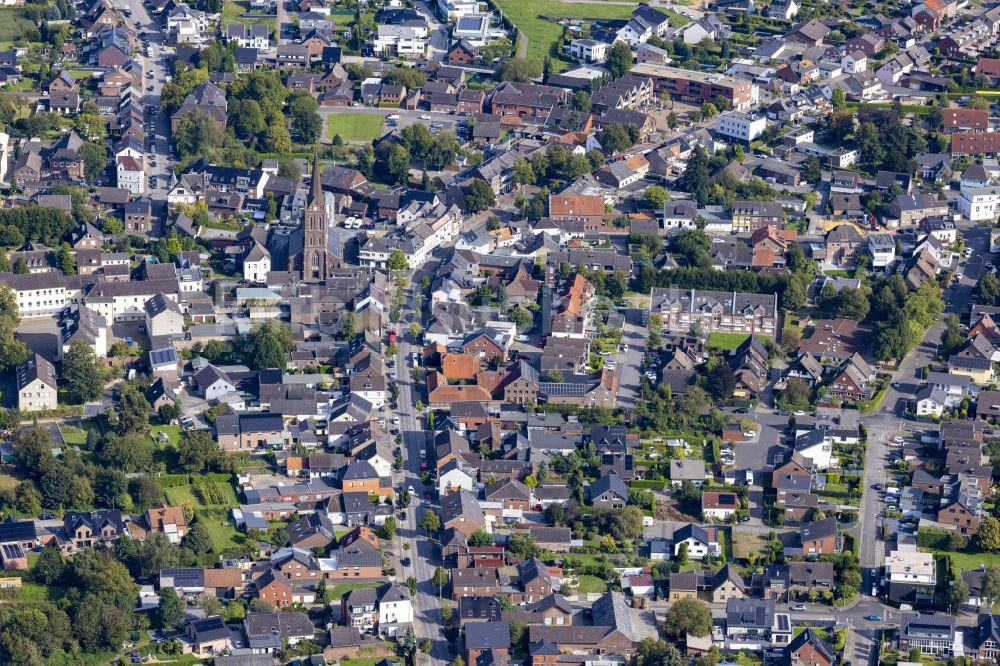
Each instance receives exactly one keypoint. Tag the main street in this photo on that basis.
(424, 552)
(157, 162)
(889, 420)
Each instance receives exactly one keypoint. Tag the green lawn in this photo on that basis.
(192, 496)
(232, 12)
(725, 543)
(73, 435)
(173, 433)
(970, 561)
(13, 24)
(225, 537)
(745, 543)
(726, 341)
(355, 126)
(538, 20)
(591, 584)
(338, 591)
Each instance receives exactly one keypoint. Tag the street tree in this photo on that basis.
(440, 579)
(689, 616)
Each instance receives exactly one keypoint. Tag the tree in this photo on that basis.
(614, 139)
(440, 579)
(657, 652)
(197, 452)
(989, 534)
(990, 590)
(303, 111)
(957, 594)
(656, 196)
(198, 539)
(480, 538)
(989, 290)
(520, 70)
(94, 157)
(267, 346)
(416, 330)
(812, 170)
(618, 59)
(689, 616)
(794, 296)
(389, 528)
(554, 376)
(133, 409)
(479, 196)
(20, 266)
(197, 133)
(129, 452)
(430, 522)
(348, 326)
(49, 568)
(720, 381)
(397, 262)
(277, 139)
(82, 373)
(171, 608)
(952, 337)
(518, 634)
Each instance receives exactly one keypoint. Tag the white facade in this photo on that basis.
(740, 126)
(910, 567)
(4, 155)
(454, 9)
(982, 203)
(588, 50)
(395, 612)
(257, 265)
(882, 248)
(400, 40)
(854, 63)
(820, 453)
(696, 549)
(453, 480)
(131, 175)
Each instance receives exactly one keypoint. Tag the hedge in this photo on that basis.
(933, 539)
(647, 484)
(175, 480)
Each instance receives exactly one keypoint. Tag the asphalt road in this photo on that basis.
(158, 65)
(424, 552)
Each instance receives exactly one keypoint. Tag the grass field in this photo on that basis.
(225, 537)
(591, 584)
(192, 495)
(745, 543)
(13, 24)
(338, 591)
(232, 12)
(726, 341)
(73, 435)
(537, 19)
(172, 432)
(355, 126)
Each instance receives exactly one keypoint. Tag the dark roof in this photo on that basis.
(609, 482)
(819, 529)
(487, 636)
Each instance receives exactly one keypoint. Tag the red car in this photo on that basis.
(427, 496)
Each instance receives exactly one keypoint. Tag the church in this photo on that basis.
(309, 255)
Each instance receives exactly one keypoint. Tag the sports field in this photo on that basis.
(354, 126)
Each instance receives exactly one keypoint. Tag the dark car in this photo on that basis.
(405, 561)
(402, 515)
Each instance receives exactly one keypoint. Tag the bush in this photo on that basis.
(934, 539)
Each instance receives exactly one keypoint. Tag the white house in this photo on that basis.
(740, 126)
(395, 609)
(697, 31)
(882, 248)
(955, 386)
(163, 316)
(131, 175)
(816, 446)
(680, 214)
(854, 62)
(213, 383)
(256, 264)
(699, 544)
(931, 402)
(588, 50)
(249, 36)
(916, 568)
(980, 203)
(452, 10)
(185, 25)
(452, 477)
(400, 40)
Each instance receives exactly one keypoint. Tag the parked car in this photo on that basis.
(799, 607)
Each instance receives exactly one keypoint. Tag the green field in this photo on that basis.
(232, 12)
(726, 341)
(225, 537)
(591, 584)
(195, 497)
(338, 591)
(172, 432)
(538, 20)
(355, 126)
(13, 24)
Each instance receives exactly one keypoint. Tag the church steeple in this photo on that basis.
(316, 195)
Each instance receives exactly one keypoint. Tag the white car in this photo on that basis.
(425, 116)
(748, 434)
(800, 413)
(623, 349)
(410, 490)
